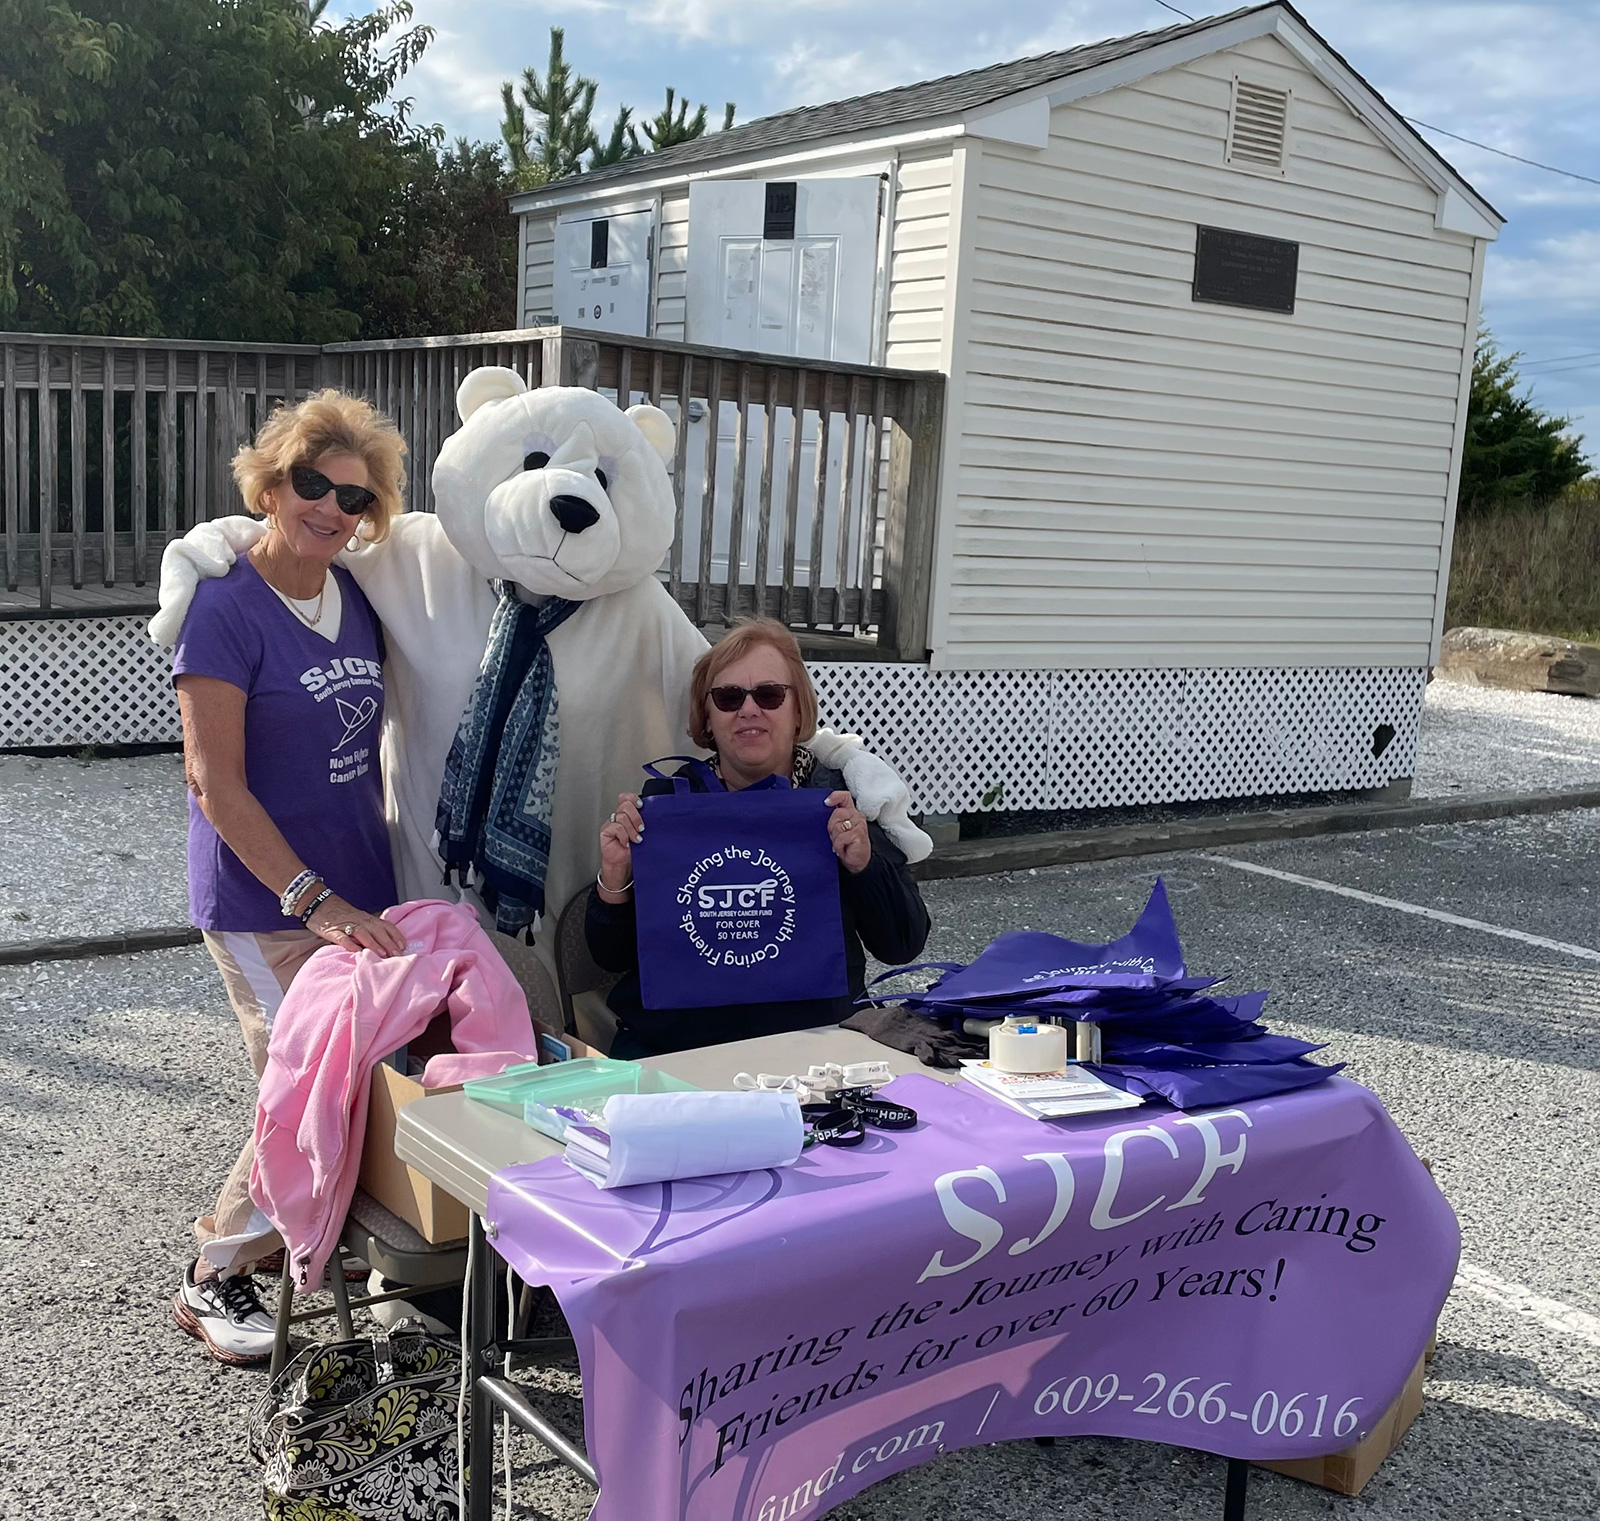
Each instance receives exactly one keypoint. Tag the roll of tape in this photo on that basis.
(1042, 1049)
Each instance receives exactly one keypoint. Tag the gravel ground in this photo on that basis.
(1478, 739)
(91, 846)
(123, 1090)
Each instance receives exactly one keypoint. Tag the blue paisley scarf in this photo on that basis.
(499, 779)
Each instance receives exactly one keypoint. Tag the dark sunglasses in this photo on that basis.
(769, 696)
(312, 485)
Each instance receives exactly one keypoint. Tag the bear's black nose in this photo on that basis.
(573, 513)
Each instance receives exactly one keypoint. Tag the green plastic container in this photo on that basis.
(535, 1092)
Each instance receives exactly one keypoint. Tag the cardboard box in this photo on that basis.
(1347, 1471)
(400, 1188)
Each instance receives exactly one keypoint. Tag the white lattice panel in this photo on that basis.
(1022, 739)
(1099, 739)
(84, 681)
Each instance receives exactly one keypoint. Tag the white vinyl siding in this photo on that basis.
(672, 267)
(538, 268)
(1145, 481)
(918, 261)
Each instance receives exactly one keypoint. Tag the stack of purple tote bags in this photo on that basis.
(1164, 1034)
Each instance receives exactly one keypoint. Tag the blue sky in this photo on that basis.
(1520, 77)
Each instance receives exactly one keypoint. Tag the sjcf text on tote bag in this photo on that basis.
(737, 897)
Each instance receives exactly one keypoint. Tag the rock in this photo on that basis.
(1519, 662)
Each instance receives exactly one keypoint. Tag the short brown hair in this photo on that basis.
(743, 637)
(326, 422)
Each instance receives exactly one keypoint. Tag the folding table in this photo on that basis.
(460, 1144)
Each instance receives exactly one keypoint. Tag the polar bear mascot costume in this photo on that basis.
(553, 511)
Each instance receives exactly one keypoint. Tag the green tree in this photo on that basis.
(549, 130)
(1515, 454)
(619, 146)
(666, 128)
(445, 260)
(225, 176)
(55, 64)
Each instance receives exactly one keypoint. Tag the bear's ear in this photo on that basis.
(491, 383)
(657, 428)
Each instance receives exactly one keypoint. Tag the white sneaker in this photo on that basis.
(393, 1311)
(225, 1314)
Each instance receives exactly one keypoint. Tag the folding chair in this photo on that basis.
(386, 1244)
(581, 983)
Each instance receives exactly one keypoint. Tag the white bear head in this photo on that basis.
(556, 489)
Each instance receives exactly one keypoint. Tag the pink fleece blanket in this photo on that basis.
(343, 1014)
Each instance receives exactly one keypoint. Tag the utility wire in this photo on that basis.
(1532, 162)
(1540, 375)
(1534, 364)
(1454, 136)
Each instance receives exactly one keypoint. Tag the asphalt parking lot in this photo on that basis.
(123, 1090)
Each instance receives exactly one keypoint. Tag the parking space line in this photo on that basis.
(1550, 1313)
(1401, 906)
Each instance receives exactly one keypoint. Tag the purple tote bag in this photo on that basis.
(736, 895)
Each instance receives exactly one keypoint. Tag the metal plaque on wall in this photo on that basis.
(1241, 269)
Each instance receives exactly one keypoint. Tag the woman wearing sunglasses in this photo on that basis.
(280, 689)
(751, 704)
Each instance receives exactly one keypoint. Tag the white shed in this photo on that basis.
(1207, 306)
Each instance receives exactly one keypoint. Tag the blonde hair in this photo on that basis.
(326, 422)
(745, 636)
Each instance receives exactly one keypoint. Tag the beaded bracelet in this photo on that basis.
(291, 894)
(304, 916)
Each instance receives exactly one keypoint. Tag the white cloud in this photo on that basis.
(459, 76)
(1560, 272)
(1515, 74)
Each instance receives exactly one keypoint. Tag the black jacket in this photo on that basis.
(882, 913)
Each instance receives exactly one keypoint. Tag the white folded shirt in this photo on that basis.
(657, 1137)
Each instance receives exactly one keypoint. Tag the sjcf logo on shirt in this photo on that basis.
(355, 716)
(738, 907)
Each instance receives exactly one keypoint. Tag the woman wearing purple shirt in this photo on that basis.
(279, 671)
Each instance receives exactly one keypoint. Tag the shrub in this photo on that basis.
(1533, 568)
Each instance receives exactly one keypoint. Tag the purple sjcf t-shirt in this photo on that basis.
(311, 721)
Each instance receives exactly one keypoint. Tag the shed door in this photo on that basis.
(787, 267)
(602, 273)
(784, 267)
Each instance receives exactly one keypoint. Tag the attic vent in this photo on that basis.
(1258, 126)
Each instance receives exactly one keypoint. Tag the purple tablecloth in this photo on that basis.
(1256, 1282)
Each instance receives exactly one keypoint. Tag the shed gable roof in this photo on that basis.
(925, 101)
(954, 96)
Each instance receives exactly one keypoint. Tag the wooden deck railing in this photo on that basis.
(806, 491)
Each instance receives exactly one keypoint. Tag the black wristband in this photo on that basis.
(305, 914)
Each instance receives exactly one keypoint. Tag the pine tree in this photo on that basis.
(1515, 454)
(618, 146)
(668, 127)
(552, 144)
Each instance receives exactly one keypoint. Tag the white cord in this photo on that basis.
(505, 1420)
(461, 1398)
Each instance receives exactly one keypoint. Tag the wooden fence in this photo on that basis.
(109, 447)
(805, 491)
